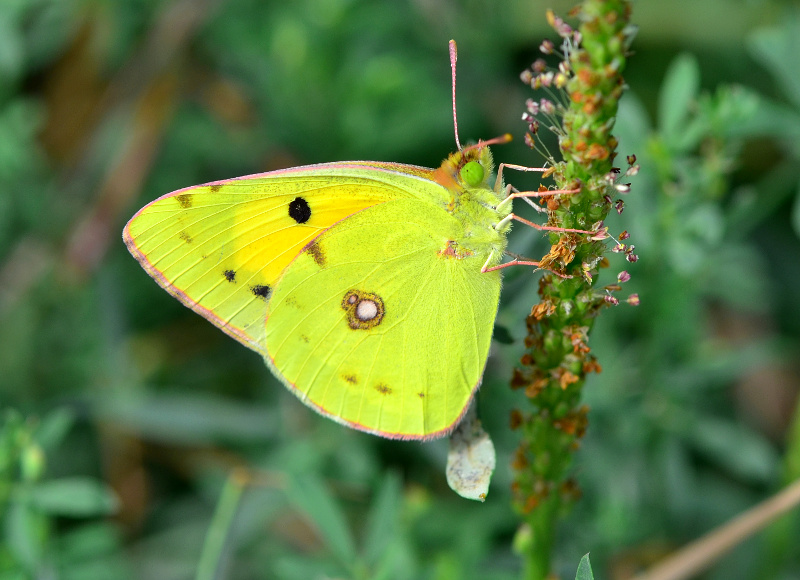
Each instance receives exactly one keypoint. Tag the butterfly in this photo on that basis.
(370, 288)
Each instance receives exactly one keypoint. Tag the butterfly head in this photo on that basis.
(472, 166)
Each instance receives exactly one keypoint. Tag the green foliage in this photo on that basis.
(30, 503)
(107, 105)
(584, 569)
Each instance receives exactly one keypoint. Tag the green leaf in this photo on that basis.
(25, 532)
(738, 449)
(584, 569)
(777, 49)
(309, 494)
(93, 551)
(736, 111)
(191, 418)
(54, 427)
(796, 213)
(383, 519)
(633, 125)
(792, 459)
(678, 92)
(12, 49)
(294, 566)
(73, 497)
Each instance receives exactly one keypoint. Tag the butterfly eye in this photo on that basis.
(472, 173)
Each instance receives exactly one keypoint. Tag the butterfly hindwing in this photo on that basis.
(382, 323)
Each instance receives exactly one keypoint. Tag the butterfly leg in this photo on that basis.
(517, 261)
(600, 234)
(512, 193)
(499, 181)
(525, 195)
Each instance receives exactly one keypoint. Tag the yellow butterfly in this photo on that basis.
(369, 288)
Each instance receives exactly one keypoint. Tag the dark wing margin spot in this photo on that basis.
(215, 188)
(230, 275)
(316, 253)
(261, 290)
(185, 200)
(299, 210)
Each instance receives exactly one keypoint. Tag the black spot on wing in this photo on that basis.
(383, 389)
(261, 290)
(230, 275)
(185, 200)
(215, 188)
(299, 210)
(349, 378)
(185, 237)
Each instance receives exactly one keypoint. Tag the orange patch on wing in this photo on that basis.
(453, 251)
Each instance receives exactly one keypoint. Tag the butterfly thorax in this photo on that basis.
(473, 201)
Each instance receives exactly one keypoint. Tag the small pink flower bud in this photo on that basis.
(547, 107)
(526, 76)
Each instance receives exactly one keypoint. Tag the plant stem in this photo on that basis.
(558, 358)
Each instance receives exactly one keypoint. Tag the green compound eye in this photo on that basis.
(472, 173)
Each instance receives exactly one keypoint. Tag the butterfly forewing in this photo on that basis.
(220, 248)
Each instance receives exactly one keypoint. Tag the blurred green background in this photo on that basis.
(124, 413)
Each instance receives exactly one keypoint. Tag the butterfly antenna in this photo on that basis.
(453, 59)
(502, 139)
